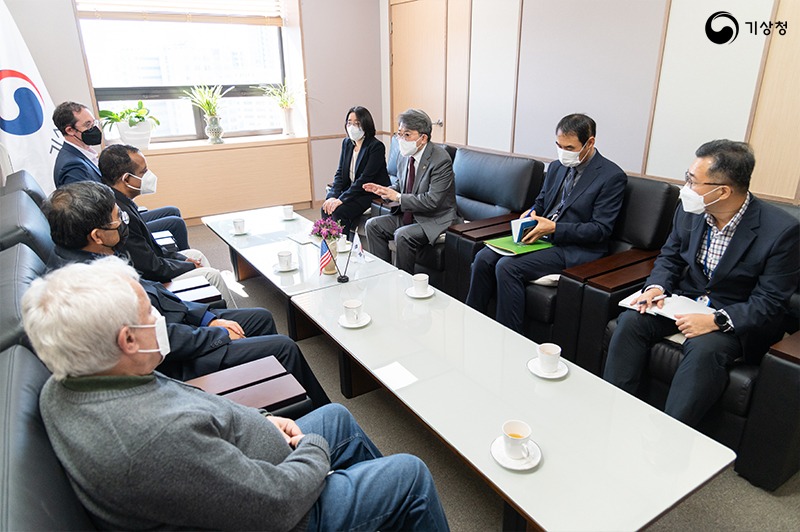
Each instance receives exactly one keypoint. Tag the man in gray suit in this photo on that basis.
(425, 193)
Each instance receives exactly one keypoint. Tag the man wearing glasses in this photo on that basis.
(425, 192)
(728, 250)
(77, 161)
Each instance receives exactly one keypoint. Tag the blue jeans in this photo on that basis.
(367, 491)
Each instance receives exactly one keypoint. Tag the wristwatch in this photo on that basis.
(722, 321)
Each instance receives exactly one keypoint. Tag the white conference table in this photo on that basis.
(610, 461)
(269, 233)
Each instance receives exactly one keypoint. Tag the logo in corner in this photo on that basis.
(30, 117)
(725, 35)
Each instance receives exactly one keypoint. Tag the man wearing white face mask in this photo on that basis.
(124, 169)
(575, 210)
(78, 161)
(425, 191)
(143, 451)
(728, 250)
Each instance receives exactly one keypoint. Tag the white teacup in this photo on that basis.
(288, 212)
(549, 355)
(420, 281)
(352, 311)
(341, 244)
(284, 260)
(516, 435)
(238, 226)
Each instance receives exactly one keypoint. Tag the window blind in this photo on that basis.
(259, 12)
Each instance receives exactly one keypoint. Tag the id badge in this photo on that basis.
(704, 300)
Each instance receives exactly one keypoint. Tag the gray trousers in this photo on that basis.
(407, 238)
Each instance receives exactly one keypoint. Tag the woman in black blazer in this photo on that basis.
(362, 160)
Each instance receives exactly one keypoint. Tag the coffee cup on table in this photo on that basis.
(549, 356)
(352, 311)
(284, 260)
(238, 226)
(420, 281)
(288, 212)
(516, 435)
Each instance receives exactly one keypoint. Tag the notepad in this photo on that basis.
(672, 305)
(521, 227)
(506, 246)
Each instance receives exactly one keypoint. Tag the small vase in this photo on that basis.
(213, 129)
(330, 268)
(288, 126)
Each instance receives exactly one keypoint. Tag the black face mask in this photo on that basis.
(92, 136)
(122, 231)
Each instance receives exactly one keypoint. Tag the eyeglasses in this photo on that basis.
(406, 134)
(123, 219)
(87, 125)
(352, 123)
(688, 179)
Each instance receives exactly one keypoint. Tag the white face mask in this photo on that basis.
(692, 202)
(570, 159)
(149, 183)
(162, 336)
(407, 147)
(355, 133)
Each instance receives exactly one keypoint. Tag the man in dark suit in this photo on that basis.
(575, 210)
(86, 225)
(77, 161)
(729, 250)
(425, 191)
(124, 169)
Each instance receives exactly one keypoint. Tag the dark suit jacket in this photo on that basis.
(433, 197)
(370, 168)
(150, 259)
(754, 278)
(587, 219)
(72, 166)
(188, 339)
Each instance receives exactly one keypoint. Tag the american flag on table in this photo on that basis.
(325, 256)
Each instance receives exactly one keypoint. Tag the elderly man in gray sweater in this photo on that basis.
(145, 451)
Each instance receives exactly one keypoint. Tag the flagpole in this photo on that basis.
(343, 278)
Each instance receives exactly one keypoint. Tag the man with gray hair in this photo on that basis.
(144, 451)
(425, 193)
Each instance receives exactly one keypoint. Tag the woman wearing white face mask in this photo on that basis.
(362, 160)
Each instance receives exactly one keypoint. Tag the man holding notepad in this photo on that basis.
(574, 215)
(733, 256)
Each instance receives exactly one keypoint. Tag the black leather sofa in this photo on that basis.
(758, 415)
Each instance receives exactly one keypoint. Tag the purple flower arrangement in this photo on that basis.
(327, 229)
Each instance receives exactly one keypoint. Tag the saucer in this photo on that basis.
(499, 454)
(411, 293)
(536, 369)
(277, 269)
(234, 233)
(347, 248)
(294, 217)
(365, 319)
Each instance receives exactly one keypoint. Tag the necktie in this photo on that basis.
(410, 175)
(569, 182)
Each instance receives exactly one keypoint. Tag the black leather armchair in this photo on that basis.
(21, 221)
(35, 493)
(19, 266)
(758, 415)
(22, 180)
(643, 224)
(487, 185)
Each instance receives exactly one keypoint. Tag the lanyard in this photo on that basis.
(708, 250)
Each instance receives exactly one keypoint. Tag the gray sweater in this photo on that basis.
(162, 454)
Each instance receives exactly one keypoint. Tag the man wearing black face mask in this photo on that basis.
(78, 161)
(86, 224)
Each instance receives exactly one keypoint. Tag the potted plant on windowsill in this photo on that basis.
(135, 124)
(284, 97)
(207, 99)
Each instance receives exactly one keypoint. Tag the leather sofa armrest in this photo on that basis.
(602, 266)
(624, 277)
(467, 227)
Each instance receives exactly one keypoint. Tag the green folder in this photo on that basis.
(505, 246)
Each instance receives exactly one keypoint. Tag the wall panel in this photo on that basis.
(493, 71)
(457, 91)
(774, 134)
(600, 58)
(706, 90)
